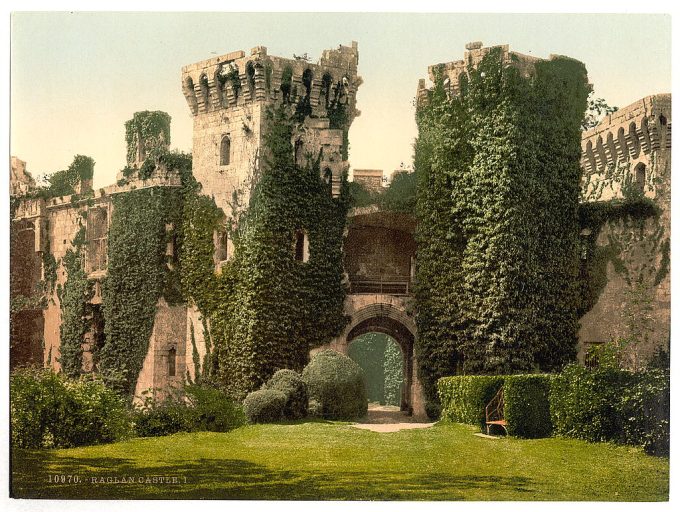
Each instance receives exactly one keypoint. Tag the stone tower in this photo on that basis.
(228, 97)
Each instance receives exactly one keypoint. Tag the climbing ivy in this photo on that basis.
(265, 309)
(151, 127)
(75, 308)
(497, 194)
(140, 272)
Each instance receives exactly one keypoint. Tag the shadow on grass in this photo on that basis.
(236, 479)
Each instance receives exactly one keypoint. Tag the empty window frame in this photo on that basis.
(172, 362)
(301, 246)
(97, 235)
(225, 150)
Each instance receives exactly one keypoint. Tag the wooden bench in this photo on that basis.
(495, 412)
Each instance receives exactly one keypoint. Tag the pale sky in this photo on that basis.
(76, 78)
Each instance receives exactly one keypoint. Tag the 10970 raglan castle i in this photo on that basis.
(250, 254)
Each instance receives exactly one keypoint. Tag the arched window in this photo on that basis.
(225, 150)
(172, 362)
(301, 246)
(640, 176)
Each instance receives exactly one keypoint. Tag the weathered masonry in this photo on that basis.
(228, 95)
(626, 157)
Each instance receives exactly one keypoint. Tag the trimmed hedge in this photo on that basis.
(584, 403)
(291, 384)
(609, 404)
(527, 405)
(464, 398)
(264, 406)
(646, 408)
(337, 383)
(527, 410)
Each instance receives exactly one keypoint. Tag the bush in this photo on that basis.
(646, 411)
(194, 408)
(291, 384)
(609, 404)
(337, 383)
(315, 410)
(464, 397)
(264, 406)
(586, 403)
(49, 410)
(210, 409)
(162, 418)
(527, 405)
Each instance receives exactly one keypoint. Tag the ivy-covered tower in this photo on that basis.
(499, 181)
(263, 263)
(228, 95)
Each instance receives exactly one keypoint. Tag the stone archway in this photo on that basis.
(404, 338)
(385, 314)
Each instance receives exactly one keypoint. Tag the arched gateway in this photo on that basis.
(379, 261)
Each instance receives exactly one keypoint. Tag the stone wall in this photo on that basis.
(630, 152)
(161, 372)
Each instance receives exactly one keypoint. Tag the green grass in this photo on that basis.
(312, 461)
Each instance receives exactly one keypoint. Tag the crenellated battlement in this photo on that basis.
(235, 80)
(228, 97)
(626, 134)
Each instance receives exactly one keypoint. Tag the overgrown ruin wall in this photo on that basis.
(627, 154)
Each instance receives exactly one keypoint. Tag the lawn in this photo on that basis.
(317, 460)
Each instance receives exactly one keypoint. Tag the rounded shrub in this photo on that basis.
(264, 406)
(291, 384)
(337, 383)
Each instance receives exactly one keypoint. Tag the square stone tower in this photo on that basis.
(228, 97)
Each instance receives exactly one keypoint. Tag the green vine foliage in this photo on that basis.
(265, 309)
(150, 127)
(63, 183)
(140, 272)
(498, 190)
(75, 308)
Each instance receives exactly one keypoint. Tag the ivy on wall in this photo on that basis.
(498, 189)
(140, 272)
(152, 128)
(265, 309)
(74, 299)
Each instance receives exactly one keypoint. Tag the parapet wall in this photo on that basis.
(627, 137)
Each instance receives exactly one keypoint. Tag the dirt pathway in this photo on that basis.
(388, 418)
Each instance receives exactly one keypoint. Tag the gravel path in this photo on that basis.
(387, 418)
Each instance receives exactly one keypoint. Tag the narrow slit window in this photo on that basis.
(640, 176)
(301, 246)
(225, 150)
(172, 362)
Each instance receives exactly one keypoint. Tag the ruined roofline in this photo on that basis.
(237, 79)
(261, 51)
(477, 51)
(474, 53)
